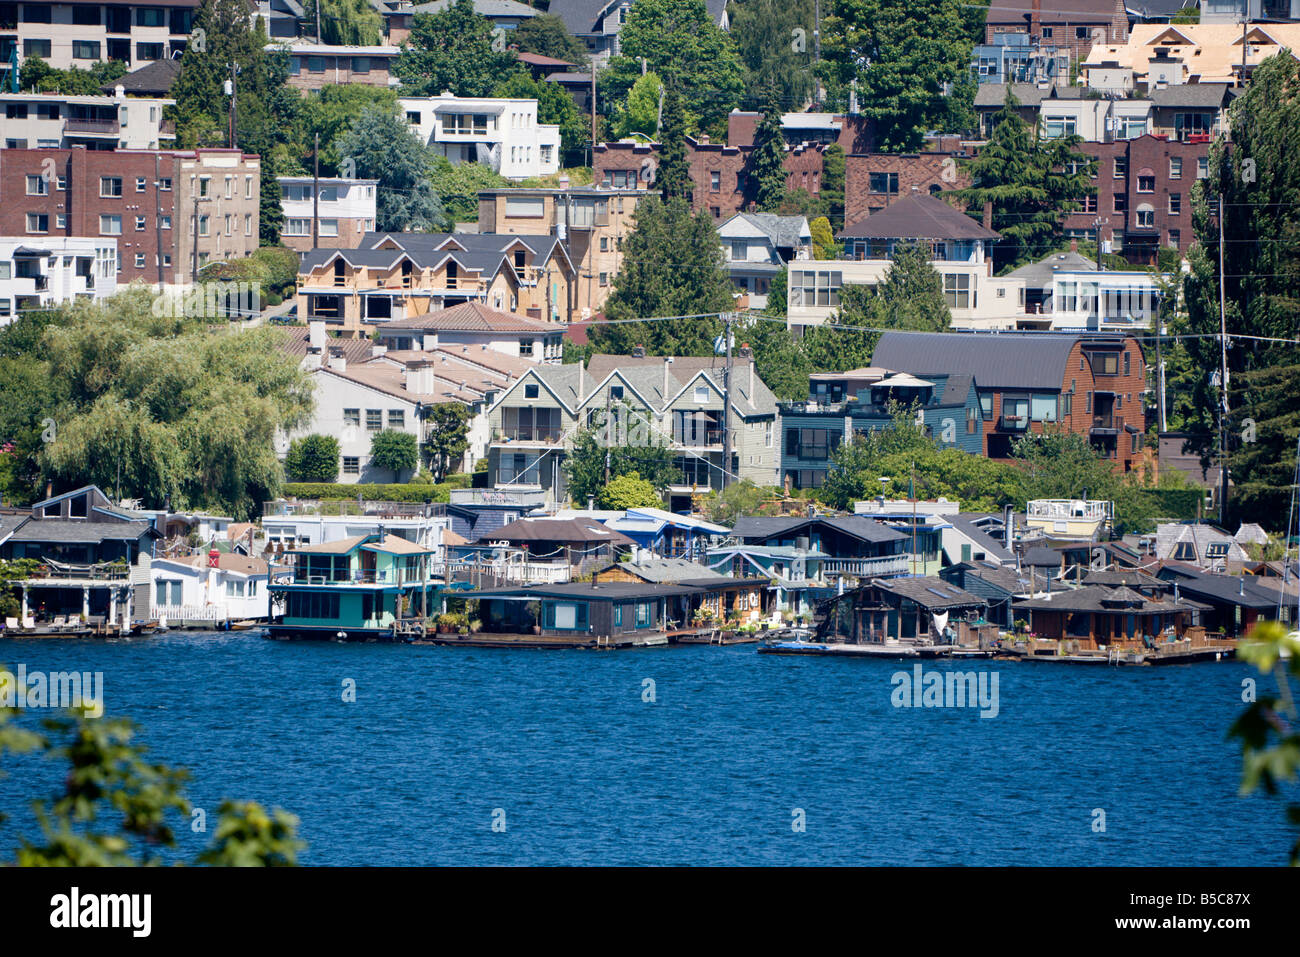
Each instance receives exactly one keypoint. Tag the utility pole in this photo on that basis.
(593, 115)
(317, 4)
(1223, 373)
(817, 47)
(315, 193)
(232, 91)
(726, 402)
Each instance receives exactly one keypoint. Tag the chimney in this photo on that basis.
(336, 360)
(377, 350)
(988, 215)
(668, 361)
(752, 364)
(1074, 245)
(316, 334)
(638, 352)
(1036, 20)
(312, 359)
(417, 377)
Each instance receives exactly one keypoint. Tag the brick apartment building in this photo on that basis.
(719, 171)
(1144, 195)
(146, 199)
(874, 180)
(1067, 25)
(1030, 382)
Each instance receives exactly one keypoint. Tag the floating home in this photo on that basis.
(367, 587)
(578, 615)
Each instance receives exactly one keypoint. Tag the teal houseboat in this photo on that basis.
(367, 587)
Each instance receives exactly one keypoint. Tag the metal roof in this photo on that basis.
(919, 216)
(1033, 360)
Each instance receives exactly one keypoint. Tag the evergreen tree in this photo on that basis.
(639, 112)
(345, 22)
(673, 175)
(585, 464)
(1256, 183)
(453, 50)
(383, 147)
(446, 439)
(832, 192)
(546, 34)
(312, 458)
(1032, 184)
(767, 174)
(672, 266)
(774, 39)
(911, 63)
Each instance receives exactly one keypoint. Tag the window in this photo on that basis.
(701, 393)
(815, 287)
(360, 64)
(329, 227)
(1043, 408)
(40, 48)
(396, 419)
(604, 279)
(1056, 126)
(110, 225)
(1146, 184)
(150, 17)
(110, 186)
(139, 260)
(374, 419)
(204, 183)
(643, 614)
(149, 51)
(1202, 167)
(164, 222)
(1127, 363)
(1105, 363)
(530, 390)
(1175, 167)
(1121, 167)
(616, 393)
(352, 417)
(85, 49)
(767, 434)
(38, 223)
(1175, 204)
(315, 64)
(1175, 239)
(956, 290)
(715, 181)
(882, 182)
(203, 225)
(1121, 202)
(139, 224)
(525, 347)
(37, 186)
(165, 184)
(1146, 217)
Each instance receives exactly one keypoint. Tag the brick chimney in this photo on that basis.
(1074, 245)
(988, 215)
(1036, 20)
(638, 352)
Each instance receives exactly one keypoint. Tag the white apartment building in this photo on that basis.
(78, 34)
(346, 208)
(59, 121)
(41, 271)
(501, 133)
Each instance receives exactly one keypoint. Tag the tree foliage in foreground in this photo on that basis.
(648, 456)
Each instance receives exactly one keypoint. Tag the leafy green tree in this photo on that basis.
(592, 452)
(446, 437)
(824, 244)
(628, 491)
(383, 148)
(457, 186)
(141, 405)
(394, 451)
(775, 42)
(904, 55)
(546, 34)
(833, 170)
(1257, 184)
(680, 43)
(36, 74)
(116, 809)
(672, 266)
(1186, 15)
(779, 359)
(453, 50)
(273, 268)
(673, 175)
(639, 112)
(910, 296)
(1269, 736)
(1031, 182)
(346, 22)
(1062, 464)
(767, 161)
(328, 113)
(799, 202)
(554, 105)
(736, 500)
(313, 458)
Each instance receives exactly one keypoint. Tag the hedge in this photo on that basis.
(369, 492)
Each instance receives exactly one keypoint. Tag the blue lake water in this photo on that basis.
(586, 772)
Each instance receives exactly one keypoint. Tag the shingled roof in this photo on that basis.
(919, 216)
(474, 317)
(1033, 360)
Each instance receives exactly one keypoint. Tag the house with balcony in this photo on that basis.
(502, 134)
(676, 401)
(570, 547)
(404, 275)
(590, 223)
(1088, 384)
(360, 588)
(854, 547)
(669, 536)
(960, 252)
(1016, 58)
(63, 121)
(794, 574)
(337, 215)
(757, 246)
(1065, 292)
(37, 272)
(843, 406)
(214, 590)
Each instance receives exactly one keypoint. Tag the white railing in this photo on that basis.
(1064, 508)
(866, 567)
(190, 612)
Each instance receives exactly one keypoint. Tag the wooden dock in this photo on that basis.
(657, 639)
(889, 651)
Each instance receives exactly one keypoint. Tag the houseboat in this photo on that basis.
(374, 587)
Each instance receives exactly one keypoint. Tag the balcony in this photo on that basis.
(1013, 423)
(541, 434)
(1107, 423)
(888, 566)
(708, 439)
(92, 127)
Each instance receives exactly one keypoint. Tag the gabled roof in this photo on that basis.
(966, 524)
(995, 94)
(782, 231)
(1039, 275)
(226, 561)
(671, 570)
(929, 592)
(338, 547)
(585, 530)
(646, 372)
(918, 216)
(1034, 360)
(81, 532)
(474, 317)
(865, 529)
(1053, 11)
(152, 79)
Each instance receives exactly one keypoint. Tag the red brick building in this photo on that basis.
(1144, 195)
(1060, 24)
(1029, 382)
(144, 198)
(874, 180)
